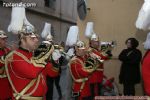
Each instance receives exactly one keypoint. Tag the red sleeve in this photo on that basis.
(79, 70)
(50, 71)
(23, 68)
(104, 57)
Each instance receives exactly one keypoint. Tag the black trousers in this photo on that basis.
(87, 98)
(50, 84)
(56, 80)
(92, 89)
(129, 89)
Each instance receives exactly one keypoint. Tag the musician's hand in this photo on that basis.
(70, 52)
(56, 55)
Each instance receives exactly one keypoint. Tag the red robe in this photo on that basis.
(21, 72)
(5, 89)
(97, 76)
(79, 72)
(146, 72)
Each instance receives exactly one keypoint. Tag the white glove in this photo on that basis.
(71, 52)
(46, 42)
(56, 55)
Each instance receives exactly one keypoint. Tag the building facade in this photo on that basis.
(60, 13)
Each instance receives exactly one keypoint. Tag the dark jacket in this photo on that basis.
(130, 67)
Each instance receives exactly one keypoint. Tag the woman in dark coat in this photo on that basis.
(130, 68)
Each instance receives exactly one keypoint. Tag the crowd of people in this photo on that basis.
(24, 71)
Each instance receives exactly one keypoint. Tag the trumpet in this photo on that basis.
(96, 57)
(61, 50)
(104, 46)
(58, 47)
(91, 54)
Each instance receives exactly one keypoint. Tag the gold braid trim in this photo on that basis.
(37, 63)
(2, 60)
(3, 76)
(76, 80)
(104, 54)
(41, 61)
(73, 60)
(9, 59)
(81, 80)
(55, 69)
(22, 56)
(88, 69)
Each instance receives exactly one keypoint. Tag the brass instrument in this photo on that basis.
(91, 54)
(61, 49)
(105, 46)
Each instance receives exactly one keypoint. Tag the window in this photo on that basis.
(50, 3)
(82, 9)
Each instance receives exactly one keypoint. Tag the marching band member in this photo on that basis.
(99, 56)
(79, 66)
(80, 72)
(5, 89)
(57, 60)
(28, 66)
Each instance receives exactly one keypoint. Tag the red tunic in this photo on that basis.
(79, 72)
(21, 72)
(5, 89)
(146, 72)
(97, 76)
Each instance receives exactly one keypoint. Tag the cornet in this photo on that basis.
(104, 46)
(91, 54)
(61, 49)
